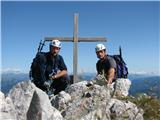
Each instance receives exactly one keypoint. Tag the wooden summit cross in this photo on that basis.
(75, 39)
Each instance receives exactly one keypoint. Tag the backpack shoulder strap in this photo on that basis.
(56, 62)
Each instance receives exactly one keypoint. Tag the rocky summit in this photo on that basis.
(78, 102)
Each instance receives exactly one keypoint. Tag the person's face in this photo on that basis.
(54, 50)
(101, 54)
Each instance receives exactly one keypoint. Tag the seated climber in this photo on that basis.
(53, 70)
(106, 66)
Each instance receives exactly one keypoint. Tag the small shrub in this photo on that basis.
(150, 105)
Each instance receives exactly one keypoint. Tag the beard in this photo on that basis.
(53, 54)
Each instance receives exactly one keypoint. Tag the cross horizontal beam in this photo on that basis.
(80, 39)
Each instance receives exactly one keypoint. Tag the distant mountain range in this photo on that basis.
(141, 83)
(145, 84)
(9, 79)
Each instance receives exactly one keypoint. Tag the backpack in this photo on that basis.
(38, 67)
(121, 67)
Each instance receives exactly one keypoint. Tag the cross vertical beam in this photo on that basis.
(75, 50)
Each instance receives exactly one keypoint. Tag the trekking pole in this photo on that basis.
(42, 44)
(39, 47)
(120, 52)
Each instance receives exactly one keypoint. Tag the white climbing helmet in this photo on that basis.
(56, 43)
(100, 47)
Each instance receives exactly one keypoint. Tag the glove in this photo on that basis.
(53, 77)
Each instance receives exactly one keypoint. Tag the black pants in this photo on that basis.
(60, 84)
(40, 85)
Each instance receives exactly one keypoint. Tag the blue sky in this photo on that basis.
(133, 25)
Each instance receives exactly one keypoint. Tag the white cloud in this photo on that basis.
(11, 70)
(144, 73)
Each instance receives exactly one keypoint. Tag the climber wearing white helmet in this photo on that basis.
(56, 69)
(106, 65)
(55, 47)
